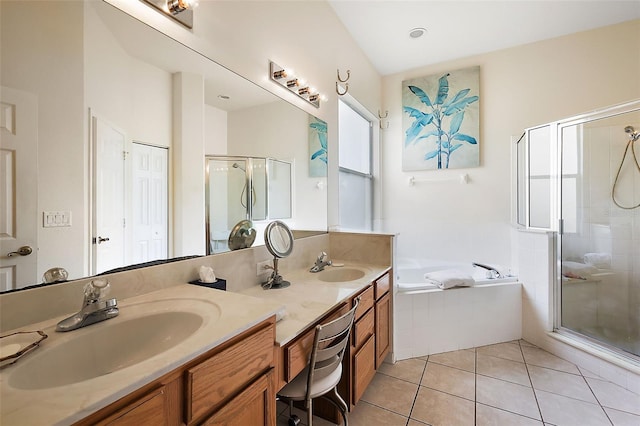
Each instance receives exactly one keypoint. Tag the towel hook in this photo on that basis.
(346, 79)
(386, 114)
(385, 127)
(346, 89)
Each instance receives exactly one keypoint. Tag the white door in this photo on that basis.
(18, 188)
(149, 203)
(108, 196)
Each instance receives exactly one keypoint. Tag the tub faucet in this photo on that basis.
(321, 262)
(492, 272)
(95, 307)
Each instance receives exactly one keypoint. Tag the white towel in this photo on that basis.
(577, 270)
(448, 278)
(599, 260)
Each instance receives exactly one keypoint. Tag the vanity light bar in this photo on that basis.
(180, 10)
(296, 85)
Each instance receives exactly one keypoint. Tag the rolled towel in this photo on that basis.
(448, 278)
(599, 260)
(577, 270)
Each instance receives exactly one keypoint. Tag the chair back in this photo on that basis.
(330, 342)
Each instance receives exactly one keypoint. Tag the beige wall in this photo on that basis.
(519, 87)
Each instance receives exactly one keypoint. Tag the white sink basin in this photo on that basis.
(104, 348)
(335, 275)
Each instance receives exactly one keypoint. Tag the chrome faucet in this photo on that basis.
(492, 273)
(321, 262)
(95, 307)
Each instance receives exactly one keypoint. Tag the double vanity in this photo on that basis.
(187, 354)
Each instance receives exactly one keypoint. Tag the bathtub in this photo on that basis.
(428, 320)
(410, 275)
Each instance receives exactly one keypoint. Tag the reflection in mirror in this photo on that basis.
(237, 188)
(102, 63)
(242, 235)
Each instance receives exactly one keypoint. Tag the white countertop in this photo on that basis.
(306, 301)
(232, 314)
(308, 298)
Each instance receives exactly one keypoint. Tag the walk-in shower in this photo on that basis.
(580, 177)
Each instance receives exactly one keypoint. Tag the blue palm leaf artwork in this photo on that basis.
(318, 147)
(440, 119)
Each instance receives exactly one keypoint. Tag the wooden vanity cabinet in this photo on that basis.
(232, 384)
(371, 340)
(383, 317)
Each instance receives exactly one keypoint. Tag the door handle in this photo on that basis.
(102, 240)
(22, 251)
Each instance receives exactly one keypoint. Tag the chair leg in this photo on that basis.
(334, 397)
(310, 413)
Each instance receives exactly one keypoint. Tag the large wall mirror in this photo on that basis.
(98, 144)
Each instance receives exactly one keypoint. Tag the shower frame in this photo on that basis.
(522, 216)
(557, 225)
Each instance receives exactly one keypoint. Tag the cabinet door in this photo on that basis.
(150, 409)
(363, 368)
(212, 381)
(255, 406)
(383, 328)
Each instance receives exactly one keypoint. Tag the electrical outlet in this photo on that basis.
(261, 267)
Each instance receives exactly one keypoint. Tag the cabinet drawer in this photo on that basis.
(150, 409)
(363, 328)
(366, 302)
(213, 381)
(382, 285)
(363, 368)
(296, 354)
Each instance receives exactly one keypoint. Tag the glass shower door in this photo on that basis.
(600, 241)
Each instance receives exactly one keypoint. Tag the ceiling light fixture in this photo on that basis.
(417, 32)
(285, 78)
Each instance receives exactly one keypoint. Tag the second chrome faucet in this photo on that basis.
(321, 262)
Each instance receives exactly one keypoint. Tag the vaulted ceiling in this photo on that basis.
(457, 29)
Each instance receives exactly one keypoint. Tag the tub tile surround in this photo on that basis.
(535, 257)
(436, 321)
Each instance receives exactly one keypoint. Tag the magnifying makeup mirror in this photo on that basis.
(279, 241)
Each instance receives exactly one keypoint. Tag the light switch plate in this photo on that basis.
(56, 219)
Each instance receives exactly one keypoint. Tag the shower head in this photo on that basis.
(632, 133)
(238, 166)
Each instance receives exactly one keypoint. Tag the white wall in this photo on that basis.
(519, 87)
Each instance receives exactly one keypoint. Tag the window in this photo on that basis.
(355, 174)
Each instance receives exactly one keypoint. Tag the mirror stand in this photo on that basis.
(275, 279)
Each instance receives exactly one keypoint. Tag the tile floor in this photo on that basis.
(512, 383)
